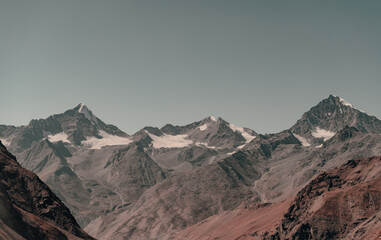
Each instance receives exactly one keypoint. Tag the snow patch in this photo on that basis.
(106, 140)
(203, 127)
(319, 146)
(88, 114)
(301, 139)
(321, 133)
(231, 153)
(345, 103)
(213, 118)
(248, 137)
(62, 136)
(170, 141)
(241, 130)
(204, 144)
(5, 142)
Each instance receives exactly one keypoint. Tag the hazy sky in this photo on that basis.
(259, 64)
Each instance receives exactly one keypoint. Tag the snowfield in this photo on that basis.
(62, 136)
(170, 141)
(242, 131)
(203, 127)
(106, 140)
(88, 114)
(304, 141)
(321, 133)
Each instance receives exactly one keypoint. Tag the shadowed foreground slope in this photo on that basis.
(29, 209)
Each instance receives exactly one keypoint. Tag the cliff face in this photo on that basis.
(29, 209)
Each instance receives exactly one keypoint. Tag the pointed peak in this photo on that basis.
(344, 102)
(333, 96)
(333, 99)
(213, 118)
(341, 100)
(82, 108)
(330, 116)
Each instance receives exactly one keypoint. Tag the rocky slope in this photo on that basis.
(181, 200)
(29, 209)
(344, 203)
(292, 167)
(243, 223)
(191, 196)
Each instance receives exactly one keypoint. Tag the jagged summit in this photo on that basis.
(331, 115)
(82, 108)
(210, 132)
(213, 118)
(343, 101)
(77, 126)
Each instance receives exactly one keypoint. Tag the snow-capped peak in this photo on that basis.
(88, 114)
(82, 108)
(213, 118)
(344, 102)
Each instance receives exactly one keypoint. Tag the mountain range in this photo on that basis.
(177, 181)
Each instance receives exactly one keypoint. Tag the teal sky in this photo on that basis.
(259, 64)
